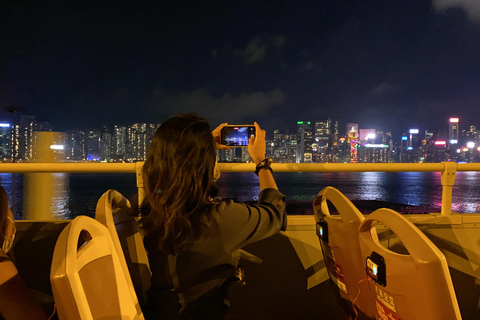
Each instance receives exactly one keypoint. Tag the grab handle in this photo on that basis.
(420, 248)
(347, 210)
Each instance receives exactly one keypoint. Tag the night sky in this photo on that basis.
(390, 65)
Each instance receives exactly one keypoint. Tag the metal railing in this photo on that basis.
(448, 171)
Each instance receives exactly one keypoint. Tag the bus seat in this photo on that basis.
(338, 235)
(87, 278)
(115, 212)
(409, 286)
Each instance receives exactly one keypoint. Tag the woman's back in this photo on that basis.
(207, 268)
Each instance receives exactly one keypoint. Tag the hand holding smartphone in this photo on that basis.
(236, 135)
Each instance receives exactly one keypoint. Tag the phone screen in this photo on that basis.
(237, 136)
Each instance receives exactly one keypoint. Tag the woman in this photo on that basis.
(192, 240)
(15, 300)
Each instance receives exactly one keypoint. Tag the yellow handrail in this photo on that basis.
(447, 169)
(72, 167)
(94, 167)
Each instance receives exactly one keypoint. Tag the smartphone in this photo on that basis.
(236, 135)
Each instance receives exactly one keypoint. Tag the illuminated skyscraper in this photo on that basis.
(414, 139)
(22, 138)
(105, 144)
(351, 127)
(151, 129)
(137, 144)
(119, 137)
(352, 140)
(75, 145)
(323, 133)
(304, 140)
(93, 145)
(325, 141)
(453, 129)
(5, 140)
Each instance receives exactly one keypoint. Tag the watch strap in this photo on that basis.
(264, 164)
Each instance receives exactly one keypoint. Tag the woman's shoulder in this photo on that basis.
(222, 206)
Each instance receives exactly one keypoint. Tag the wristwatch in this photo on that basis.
(264, 164)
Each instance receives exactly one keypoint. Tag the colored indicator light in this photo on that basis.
(454, 120)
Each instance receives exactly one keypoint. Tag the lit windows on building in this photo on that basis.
(352, 140)
(453, 130)
(304, 140)
(5, 141)
(93, 145)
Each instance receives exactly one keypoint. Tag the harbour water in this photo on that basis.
(78, 193)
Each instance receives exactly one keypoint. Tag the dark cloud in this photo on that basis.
(470, 7)
(254, 52)
(232, 108)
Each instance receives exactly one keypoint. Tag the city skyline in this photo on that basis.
(312, 141)
(384, 64)
(6, 118)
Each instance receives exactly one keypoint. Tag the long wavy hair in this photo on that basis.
(179, 182)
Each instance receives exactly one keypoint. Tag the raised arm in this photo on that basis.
(256, 149)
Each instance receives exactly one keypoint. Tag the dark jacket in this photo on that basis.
(192, 284)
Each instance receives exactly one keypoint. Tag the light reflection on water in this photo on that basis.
(409, 188)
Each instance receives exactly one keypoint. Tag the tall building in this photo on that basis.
(93, 145)
(279, 147)
(323, 133)
(22, 138)
(151, 129)
(137, 142)
(5, 141)
(351, 127)
(75, 145)
(304, 140)
(453, 130)
(389, 141)
(471, 135)
(325, 141)
(291, 146)
(119, 141)
(105, 145)
(414, 141)
(352, 142)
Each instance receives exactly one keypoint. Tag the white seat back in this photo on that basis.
(341, 250)
(114, 211)
(88, 281)
(416, 285)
